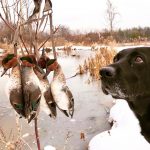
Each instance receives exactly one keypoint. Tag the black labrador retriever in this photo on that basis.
(129, 78)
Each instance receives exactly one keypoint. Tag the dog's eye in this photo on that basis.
(138, 60)
(115, 59)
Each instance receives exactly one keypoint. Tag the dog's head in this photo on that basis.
(129, 75)
(129, 78)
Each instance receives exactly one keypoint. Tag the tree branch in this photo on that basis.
(9, 26)
(48, 38)
(37, 134)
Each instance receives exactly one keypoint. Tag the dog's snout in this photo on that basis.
(108, 72)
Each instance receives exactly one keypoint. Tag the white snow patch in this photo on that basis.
(72, 120)
(25, 135)
(81, 48)
(49, 147)
(125, 133)
(2, 50)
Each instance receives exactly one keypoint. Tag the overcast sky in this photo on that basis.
(87, 15)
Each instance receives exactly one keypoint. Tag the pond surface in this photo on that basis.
(90, 115)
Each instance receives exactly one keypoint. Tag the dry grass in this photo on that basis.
(7, 47)
(103, 57)
(13, 140)
(8, 142)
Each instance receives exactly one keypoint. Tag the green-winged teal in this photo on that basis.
(15, 93)
(31, 86)
(45, 86)
(60, 91)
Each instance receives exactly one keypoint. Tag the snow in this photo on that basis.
(81, 47)
(2, 50)
(124, 134)
(49, 147)
(25, 135)
(75, 47)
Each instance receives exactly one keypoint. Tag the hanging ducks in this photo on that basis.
(60, 91)
(15, 93)
(45, 86)
(31, 89)
(28, 82)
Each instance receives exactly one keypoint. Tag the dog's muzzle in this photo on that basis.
(108, 72)
(110, 82)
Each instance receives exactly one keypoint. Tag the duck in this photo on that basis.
(14, 90)
(60, 91)
(43, 60)
(31, 87)
(45, 86)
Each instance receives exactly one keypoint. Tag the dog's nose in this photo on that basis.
(108, 72)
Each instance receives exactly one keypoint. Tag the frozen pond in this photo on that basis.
(90, 115)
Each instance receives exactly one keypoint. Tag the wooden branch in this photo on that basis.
(37, 134)
(15, 49)
(9, 26)
(48, 38)
(12, 4)
(13, 29)
(23, 43)
(52, 36)
(36, 52)
(30, 21)
(4, 9)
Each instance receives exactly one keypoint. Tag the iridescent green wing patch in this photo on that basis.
(18, 106)
(6, 59)
(51, 61)
(27, 59)
(35, 104)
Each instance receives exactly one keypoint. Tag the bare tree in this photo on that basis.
(111, 14)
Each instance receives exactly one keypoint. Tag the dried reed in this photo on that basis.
(103, 57)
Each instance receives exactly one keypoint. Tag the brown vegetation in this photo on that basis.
(103, 57)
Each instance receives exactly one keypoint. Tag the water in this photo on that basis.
(90, 115)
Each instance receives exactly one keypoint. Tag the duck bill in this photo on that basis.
(33, 116)
(5, 70)
(71, 112)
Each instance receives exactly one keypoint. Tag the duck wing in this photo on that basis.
(35, 98)
(31, 92)
(71, 99)
(32, 102)
(50, 103)
(17, 101)
(47, 93)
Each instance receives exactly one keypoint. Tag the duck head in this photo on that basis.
(51, 65)
(9, 61)
(43, 60)
(30, 61)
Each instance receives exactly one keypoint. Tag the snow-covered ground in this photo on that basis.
(124, 134)
(2, 51)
